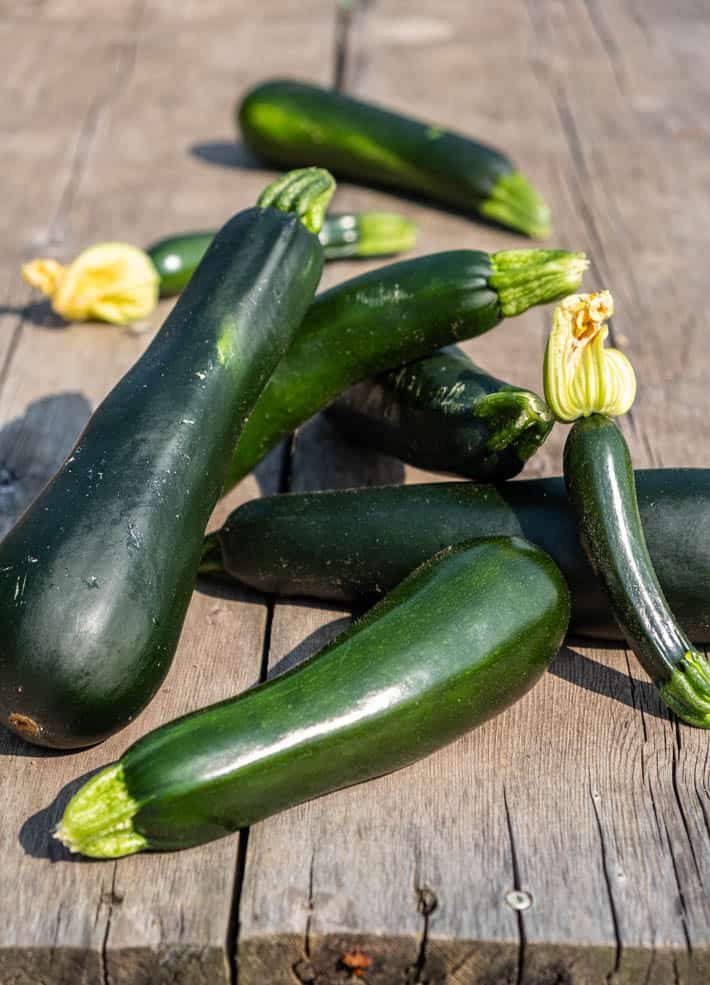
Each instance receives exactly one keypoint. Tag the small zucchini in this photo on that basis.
(444, 413)
(96, 576)
(362, 234)
(590, 385)
(354, 544)
(391, 316)
(292, 123)
(461, 639)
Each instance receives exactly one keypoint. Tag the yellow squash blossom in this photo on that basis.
(581, 375)
(112, 282)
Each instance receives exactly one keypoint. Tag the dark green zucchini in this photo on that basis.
(600, 485)
(458, 641)
(390, 316)
(96, 576)
(363, 234)
(292, 123)
(444, 413)
(354, 544)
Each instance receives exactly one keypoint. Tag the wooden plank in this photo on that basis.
(584, 796)
(140, 107)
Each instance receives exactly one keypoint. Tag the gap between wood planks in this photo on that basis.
(346, 14)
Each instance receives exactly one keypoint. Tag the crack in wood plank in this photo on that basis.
(110, 899)
(427, 902)
(517, 884)
(232, 942)
(607, 42)
(683, 913)
(302, 969)
(681, 810)
(11, 349)
(595, 796)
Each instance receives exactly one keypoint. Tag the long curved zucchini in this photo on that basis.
(393, 315)
(589, 384)
(354, 544)
(458, 641)
(600, 485)
(444, 413)
(361, 234)
(293, 123)
(96, 576)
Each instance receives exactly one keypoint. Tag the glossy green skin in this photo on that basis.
(599, 478)
(292, 123)
(352, 544)
(457, 642)
(364, 326)
(96, 576)
(176, 257)
(443, 413)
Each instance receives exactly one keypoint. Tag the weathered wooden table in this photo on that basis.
(585, 798)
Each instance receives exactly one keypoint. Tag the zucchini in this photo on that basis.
(96, 576)
(176, 258)
(458, 641)
(589, 384)
(600, 485)
(390, 316)
(342, 236)
(350, 545)
(444, 413)
(291, 123)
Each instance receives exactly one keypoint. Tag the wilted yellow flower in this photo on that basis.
(112, 282)
(581, 376)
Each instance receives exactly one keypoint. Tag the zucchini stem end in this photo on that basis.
(306, 192)
(524, 278)
(687, 693)
(515, 203)
(98, 820)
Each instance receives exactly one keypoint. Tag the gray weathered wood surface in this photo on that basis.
(116, 124)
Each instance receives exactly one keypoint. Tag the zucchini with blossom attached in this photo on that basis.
(444, 413)
(590, 385)
(96, 576)
(363, 234)
(292, 123)
(391, 316)
(462, 638)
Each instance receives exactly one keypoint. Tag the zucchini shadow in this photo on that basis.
(591, 675)
(37, 313)
(33, 446)
(36, 835)
(227, 154)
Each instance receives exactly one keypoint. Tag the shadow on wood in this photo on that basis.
(38, 313)
(36, 834)
(312, 643)
(573, 666)
(226, 154)
(32, 448)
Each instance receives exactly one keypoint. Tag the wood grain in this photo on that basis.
(584, 801)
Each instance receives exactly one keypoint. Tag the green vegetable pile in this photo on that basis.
(473, 584)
